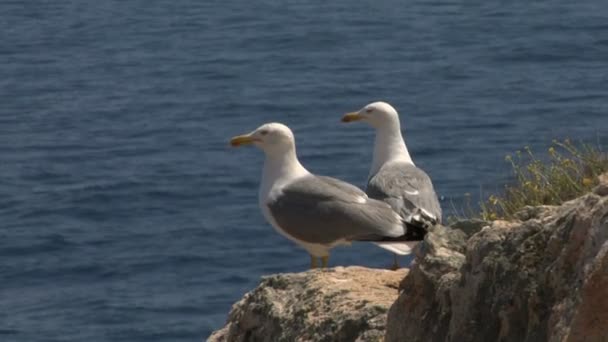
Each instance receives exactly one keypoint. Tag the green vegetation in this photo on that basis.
(567, 172)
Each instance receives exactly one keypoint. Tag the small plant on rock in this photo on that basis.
(568, 172)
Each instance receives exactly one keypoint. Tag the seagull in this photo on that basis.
(319, 212)
(393, 177)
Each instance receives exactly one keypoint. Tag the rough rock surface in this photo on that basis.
(337, 304)
(543, 277)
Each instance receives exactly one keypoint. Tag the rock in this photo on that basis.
(602, 188)
(529, 212)
(544, 278)
(541, 277)
(470, 227)
(337, 304)
(424, 290)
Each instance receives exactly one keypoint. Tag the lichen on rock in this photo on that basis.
(337, 304)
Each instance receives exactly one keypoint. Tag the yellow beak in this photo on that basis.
(239, 140)
(350, 117)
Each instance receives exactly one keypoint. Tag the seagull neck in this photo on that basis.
(282, 167)
(388, 147)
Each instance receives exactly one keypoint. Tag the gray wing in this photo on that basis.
(407, 189)
(343, 186)
(324, 210)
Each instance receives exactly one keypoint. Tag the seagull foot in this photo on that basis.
(324, 261)
(395, 265)
(313, 262)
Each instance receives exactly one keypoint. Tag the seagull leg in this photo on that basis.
(395, 263)
(313, 262)
(324, 261)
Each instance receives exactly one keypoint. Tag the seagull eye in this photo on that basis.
(264, 132)
(369, 110)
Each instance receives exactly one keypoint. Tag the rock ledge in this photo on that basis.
(336, 304)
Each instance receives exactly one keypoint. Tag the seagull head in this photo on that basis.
(376, 114)
(272, 138)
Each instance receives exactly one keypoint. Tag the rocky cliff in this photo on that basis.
(542, 277)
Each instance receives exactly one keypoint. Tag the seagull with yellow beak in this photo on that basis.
(393, 177)
(317, 212)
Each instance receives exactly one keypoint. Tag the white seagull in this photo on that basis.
(393, 177)
(317, 212)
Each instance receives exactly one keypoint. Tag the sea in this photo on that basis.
(126, 216)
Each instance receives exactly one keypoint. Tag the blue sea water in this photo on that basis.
(124, 214)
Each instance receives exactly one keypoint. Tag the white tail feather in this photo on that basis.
(400, 247)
